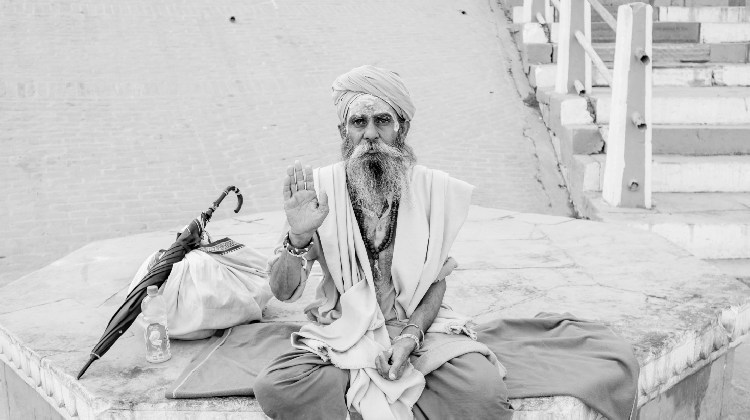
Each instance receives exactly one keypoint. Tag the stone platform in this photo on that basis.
(682, 316)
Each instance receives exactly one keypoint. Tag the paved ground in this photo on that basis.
(119, 118)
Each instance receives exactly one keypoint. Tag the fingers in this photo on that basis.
(381, 364)
(290, 179)
(397, 367)
(298, 179)
(299, 175)
(287, 188)
(309, 180)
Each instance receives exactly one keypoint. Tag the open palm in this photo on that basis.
(304, 211)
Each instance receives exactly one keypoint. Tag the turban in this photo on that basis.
(375, 81)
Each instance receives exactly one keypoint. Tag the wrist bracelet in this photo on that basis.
(415, 326)
(297, 252)
(409, 336)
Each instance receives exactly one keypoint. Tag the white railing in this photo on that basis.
(627, 175)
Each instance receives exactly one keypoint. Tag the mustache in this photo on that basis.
(377, 149)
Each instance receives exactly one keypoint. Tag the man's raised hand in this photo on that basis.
(304, 212)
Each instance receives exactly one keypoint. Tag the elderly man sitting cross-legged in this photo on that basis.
(382, 343)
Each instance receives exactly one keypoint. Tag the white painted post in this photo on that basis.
(627, 175)
(531, 8)
(572, 62)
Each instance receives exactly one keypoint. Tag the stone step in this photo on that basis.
(706, 14)
(663, 32)
(658, 4)
(724, 32)
(664, 74)
(676, 173)
(709, 225)
(681, 139)
(738, 268)
(733, 14)
(680, 105)
(545, 53)
(518, 17)
(681, 3)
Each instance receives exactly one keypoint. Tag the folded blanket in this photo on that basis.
(230, 363)
(554, 354)
(548, 355)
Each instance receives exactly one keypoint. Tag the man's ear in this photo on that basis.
(342, 131)
(404, 129)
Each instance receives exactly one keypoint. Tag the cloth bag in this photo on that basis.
(218, 285)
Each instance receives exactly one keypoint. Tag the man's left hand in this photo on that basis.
(392, 362)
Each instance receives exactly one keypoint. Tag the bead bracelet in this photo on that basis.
(297, 252)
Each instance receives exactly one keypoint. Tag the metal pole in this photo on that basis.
(594, 57)
(604, 14)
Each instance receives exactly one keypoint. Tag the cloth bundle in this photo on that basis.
(218, 285)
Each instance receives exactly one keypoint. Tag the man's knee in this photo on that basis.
(267, 392)
(316, 391)
(486, 384)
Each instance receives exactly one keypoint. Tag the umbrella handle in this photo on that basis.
(206, 216)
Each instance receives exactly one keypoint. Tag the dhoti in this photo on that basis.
(299, 385)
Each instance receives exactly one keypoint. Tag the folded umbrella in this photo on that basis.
(157, 274)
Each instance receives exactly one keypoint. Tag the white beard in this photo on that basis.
(374, 177)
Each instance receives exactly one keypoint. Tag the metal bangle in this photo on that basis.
(409, 336)
(415, 326)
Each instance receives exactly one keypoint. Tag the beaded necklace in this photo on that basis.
(373, 252)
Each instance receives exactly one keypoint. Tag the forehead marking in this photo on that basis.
(369, 105)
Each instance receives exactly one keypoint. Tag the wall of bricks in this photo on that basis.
(124, 117)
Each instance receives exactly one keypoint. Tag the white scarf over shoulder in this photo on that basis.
(429, 219)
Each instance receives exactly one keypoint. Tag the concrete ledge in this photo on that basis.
(711, 105)
(735, 14)
(559, 110)
(698, 140)
(708, 14)
(675, 173)
(709, 225)
(536, 33)
(664, 32)
(676, 74)
(725, 32)
(662, 53)
(680, 313)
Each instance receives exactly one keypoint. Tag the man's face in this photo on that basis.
(374, 148)
(371, 119)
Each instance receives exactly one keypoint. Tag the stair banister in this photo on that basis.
(538, 11)
(627, 173)
(573, 64)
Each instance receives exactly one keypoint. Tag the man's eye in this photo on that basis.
(359, 122)
(383, 120)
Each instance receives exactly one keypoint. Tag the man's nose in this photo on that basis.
(371, 133)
